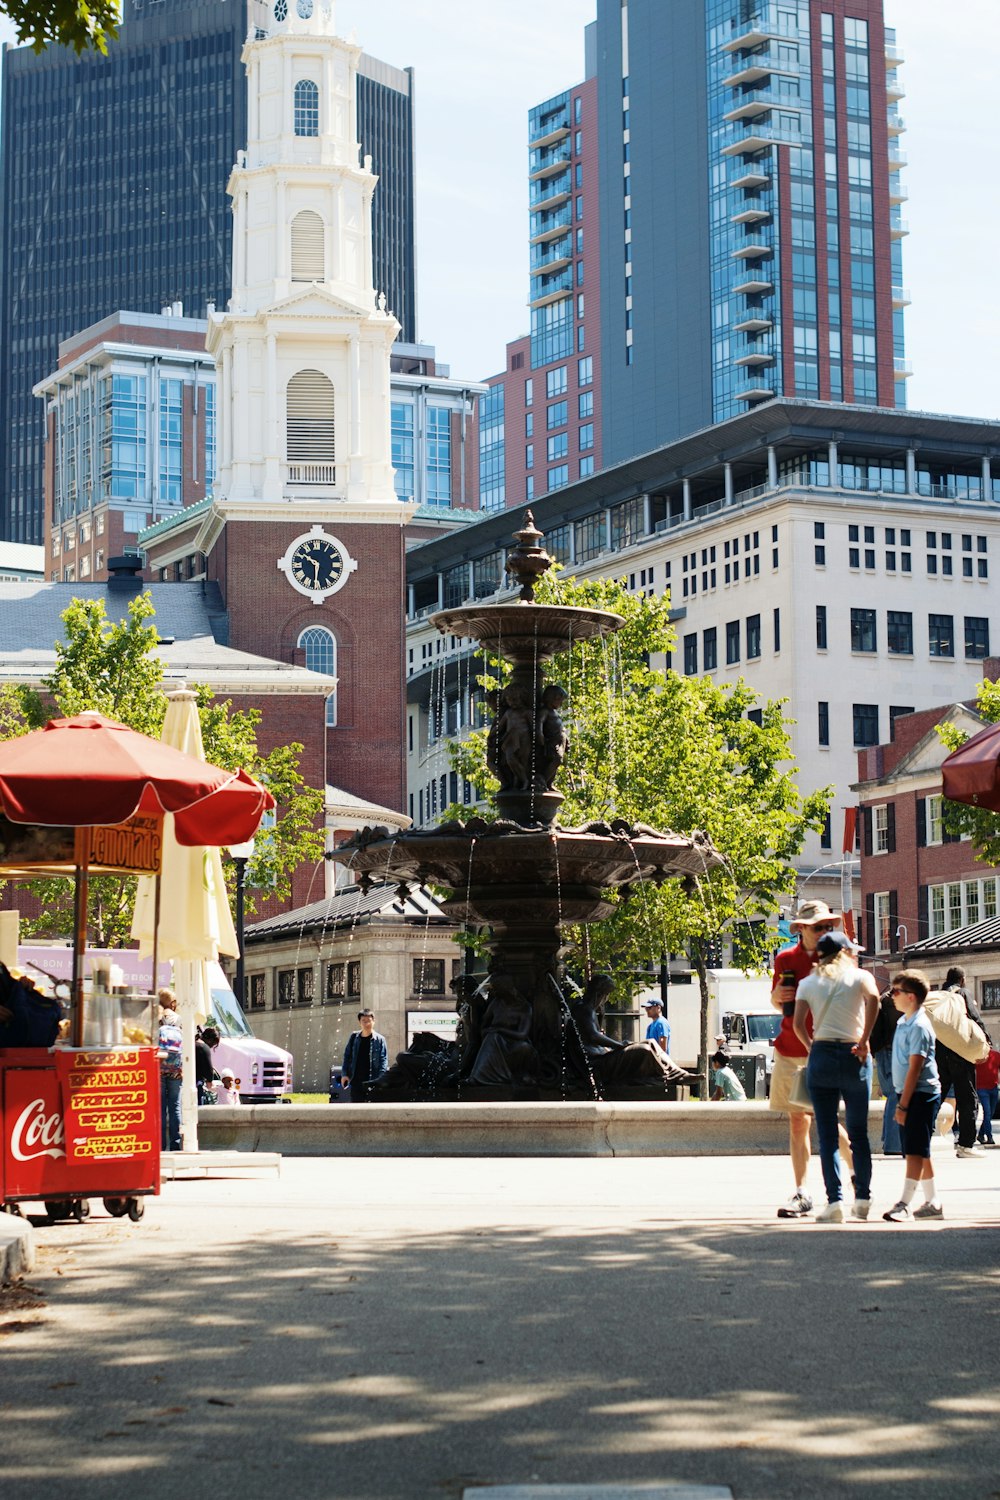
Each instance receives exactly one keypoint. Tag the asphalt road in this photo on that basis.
(405, 1328)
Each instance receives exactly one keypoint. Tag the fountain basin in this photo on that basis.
(527, 633)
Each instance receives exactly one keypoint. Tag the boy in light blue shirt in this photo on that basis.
(916, 1081)
(725, 1084)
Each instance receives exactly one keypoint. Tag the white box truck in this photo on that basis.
(739, 1007)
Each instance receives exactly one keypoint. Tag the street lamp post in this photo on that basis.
(240, 854)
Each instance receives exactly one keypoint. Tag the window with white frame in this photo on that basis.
(320, 647)
(883, 922)
(935, 827)
(880, 828)
(960, 903)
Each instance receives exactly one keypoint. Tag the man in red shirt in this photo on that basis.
(790, 966)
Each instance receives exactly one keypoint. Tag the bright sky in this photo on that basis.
(480, 67)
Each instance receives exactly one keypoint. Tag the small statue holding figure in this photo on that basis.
(515, 739)
(553, 740)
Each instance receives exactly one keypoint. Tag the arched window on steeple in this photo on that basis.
(308, 239)
(320, 647)
(306, 107)
(310, 433)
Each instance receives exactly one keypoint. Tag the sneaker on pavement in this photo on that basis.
(797, 1206)
(989, 1145)
(898, 1213)
(831, 1213)
(969, 1151)
(862, 1208)
(929, 1211)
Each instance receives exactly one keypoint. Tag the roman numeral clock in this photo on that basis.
(317, 564)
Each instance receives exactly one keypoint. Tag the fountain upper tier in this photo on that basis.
(527, 633)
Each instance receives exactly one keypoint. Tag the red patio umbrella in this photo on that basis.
(972, 772)
(89, 770)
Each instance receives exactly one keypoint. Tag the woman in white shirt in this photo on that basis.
(842, 1002)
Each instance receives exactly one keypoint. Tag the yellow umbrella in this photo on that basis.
(195, 924)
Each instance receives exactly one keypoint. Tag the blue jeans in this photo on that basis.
(834, 1073)
(891, 1142)
(170, 1104)
(988, 1099)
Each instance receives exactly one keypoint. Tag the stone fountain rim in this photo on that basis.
(543, 617)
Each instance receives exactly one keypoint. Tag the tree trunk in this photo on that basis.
(702, 970)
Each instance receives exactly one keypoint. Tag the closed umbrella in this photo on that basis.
(185, 915)
(972, 772)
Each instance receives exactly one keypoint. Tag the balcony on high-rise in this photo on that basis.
(550, 191)
(752, 247)
(549, 122)
(548, 226)
(770, 23)
(755, 283)
(551, 288)
(551, 255)
(753, 320)
(542, 163)
(757, 65)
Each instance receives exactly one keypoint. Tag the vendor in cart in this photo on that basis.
(27, 1017)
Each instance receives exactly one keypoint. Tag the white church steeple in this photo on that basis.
(303, 349)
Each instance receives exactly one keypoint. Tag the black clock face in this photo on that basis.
(317, 565)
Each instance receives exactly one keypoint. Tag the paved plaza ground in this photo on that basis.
(404, 1328)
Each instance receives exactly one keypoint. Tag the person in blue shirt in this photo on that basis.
(917, 1082)
(658, 1028)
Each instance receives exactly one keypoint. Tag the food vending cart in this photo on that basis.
(84, 796)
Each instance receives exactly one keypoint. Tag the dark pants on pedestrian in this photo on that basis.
(891, 1143)
(170, 1104)
(988, 1099)
(834, 1073)
(960, 1075)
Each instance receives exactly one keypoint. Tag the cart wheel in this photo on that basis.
(80, 1209)
(136, 1209)
(12, 1208)
(54, 1210)
(116, 1207)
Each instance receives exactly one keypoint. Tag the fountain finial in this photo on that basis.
(529, 560)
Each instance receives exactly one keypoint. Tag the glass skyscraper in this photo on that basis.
(750, 221)
(114, 196)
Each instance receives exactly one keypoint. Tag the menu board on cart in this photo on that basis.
(110, 1104)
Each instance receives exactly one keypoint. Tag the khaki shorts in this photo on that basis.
(782, 1078)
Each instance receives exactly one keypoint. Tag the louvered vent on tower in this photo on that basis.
(308, 247)
(311, 448)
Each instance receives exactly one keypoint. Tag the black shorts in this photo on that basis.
(917, 1131)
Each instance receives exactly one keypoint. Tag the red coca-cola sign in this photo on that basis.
(79, 1123)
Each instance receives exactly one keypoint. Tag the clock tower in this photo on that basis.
(305, 533)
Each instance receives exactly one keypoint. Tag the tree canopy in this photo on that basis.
(69, 23)
(112, 666)
(976, 823)
(680, 753)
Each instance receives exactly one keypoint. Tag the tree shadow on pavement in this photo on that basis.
(782, 1361)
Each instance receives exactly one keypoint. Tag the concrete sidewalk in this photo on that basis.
(400, 1328)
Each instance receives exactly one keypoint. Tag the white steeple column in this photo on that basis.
(304, 348)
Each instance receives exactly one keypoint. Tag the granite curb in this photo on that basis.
(17, 1247)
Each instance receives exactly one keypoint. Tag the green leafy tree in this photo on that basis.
(680, 753)
(112, 666)
(69, 23)
(976, 823)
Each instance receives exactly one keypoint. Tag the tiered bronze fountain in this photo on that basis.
(523, 1034)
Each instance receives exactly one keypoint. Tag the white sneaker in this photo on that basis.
(831, 1213)
(862, 1208)
(897, 1214)
(969, 1151)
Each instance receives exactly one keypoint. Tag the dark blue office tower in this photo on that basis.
(114, 173)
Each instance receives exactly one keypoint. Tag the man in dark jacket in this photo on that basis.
(366, 1058)
(959, 1074)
